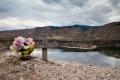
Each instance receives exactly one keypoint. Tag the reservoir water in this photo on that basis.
(108, 58)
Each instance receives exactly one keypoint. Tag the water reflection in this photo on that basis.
(113, 53)
(100, 58)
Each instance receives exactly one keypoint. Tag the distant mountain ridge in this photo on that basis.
(76, 26)
(109, 31)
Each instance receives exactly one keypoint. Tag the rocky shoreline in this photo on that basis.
(11, 68)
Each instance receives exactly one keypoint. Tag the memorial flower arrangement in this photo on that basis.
(23, 46)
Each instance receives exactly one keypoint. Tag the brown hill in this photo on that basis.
(109, 32)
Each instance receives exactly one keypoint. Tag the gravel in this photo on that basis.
(11, 68)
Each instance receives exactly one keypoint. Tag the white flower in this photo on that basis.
(26, 47)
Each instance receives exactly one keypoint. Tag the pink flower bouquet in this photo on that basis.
(24, 46)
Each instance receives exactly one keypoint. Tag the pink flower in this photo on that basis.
(29, 40)
(21, 43)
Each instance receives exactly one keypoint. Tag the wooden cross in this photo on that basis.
(44, 50)
(44, 54)
(44, 46)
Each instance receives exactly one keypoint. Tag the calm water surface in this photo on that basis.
(99, 58)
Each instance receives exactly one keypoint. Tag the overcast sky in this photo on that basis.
(20, 14)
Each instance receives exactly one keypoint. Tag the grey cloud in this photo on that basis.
(52, 1)
(5, 8)
(99, 13)
(103, 9)
(8, 8)
(115, 3)
(6, 27)
(79, 3)
(61, 12)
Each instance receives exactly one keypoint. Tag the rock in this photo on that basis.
(36, 69)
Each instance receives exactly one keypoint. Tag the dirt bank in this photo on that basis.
(11, 68)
